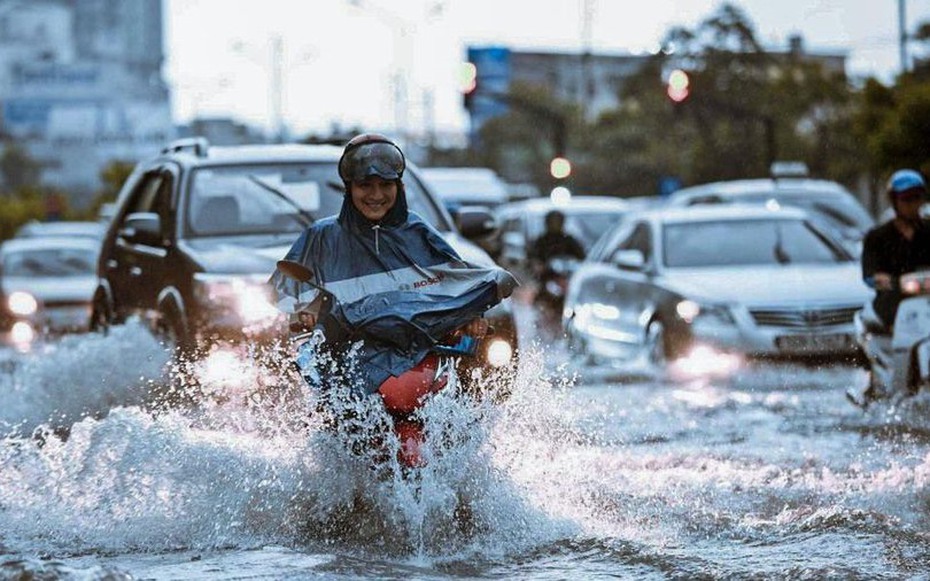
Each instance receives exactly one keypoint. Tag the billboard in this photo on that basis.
(493, 74)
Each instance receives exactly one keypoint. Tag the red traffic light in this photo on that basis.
(678, 86)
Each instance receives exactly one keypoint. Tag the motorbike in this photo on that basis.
(403, 395)
(899, 360)
(553, 286)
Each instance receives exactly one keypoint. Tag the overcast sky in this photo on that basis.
(342, 58)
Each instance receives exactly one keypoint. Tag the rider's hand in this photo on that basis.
(306, 319)
(882, 281)
(477, 328)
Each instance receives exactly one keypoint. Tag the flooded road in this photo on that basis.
(583, 473)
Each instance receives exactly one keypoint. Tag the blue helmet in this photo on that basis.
(905, 181)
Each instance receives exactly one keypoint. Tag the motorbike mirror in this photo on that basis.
(295, 270)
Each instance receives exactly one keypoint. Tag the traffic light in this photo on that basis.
(468, 83)
(679, 86)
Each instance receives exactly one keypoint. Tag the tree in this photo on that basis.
(18, 168)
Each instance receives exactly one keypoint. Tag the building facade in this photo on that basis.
(81, 85)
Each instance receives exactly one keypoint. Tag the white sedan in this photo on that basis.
(726, 279)
(46, 286)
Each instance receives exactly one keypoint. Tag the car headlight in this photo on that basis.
(22, 303)
(251, 299)
(691, 311)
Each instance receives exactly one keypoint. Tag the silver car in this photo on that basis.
(46, 287)
(743, 279)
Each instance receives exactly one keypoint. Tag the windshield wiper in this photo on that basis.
(307, 216)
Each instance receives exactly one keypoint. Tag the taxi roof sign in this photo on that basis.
(789, 169)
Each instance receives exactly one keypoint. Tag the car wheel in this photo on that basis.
(577, 347)
(657, 344)
(172, 330)
(100, 318)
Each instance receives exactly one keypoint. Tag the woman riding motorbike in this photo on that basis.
(381, 286)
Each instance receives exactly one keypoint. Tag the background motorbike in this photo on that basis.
(899, 361)
(553, 285)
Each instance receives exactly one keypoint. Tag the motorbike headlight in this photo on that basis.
(251, 299)
(500, 352)
(22, 303)
(691, 311)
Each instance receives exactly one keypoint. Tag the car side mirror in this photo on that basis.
(475, 221)
(629, 259)
(142, 228)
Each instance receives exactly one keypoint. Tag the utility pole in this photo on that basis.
(587, 15)
(277, 87)
(902, 35)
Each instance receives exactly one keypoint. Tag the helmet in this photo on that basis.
(906, 181)
(371, 154)
(555, 218)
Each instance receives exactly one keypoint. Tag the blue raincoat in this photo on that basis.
(392, 289)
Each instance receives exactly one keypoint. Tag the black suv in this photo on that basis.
(197, 231)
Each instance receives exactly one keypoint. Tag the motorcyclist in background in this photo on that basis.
(384, 284)
(554, 241)
(897, 247)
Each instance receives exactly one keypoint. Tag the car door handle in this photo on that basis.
(135, 271)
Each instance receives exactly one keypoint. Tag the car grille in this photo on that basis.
(806, 318)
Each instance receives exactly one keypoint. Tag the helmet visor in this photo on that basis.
(378, 158)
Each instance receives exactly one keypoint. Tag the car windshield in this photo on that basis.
(46, 262)
(747, 242)
(277, 198)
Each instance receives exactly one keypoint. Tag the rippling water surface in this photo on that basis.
(581, 474)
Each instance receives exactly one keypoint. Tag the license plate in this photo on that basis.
(830, 342)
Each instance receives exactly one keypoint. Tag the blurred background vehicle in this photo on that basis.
(65, 229)
(729, 279)
(198, 229)
(466, 186)
(829, 202)
(46, 287)
(586, 218)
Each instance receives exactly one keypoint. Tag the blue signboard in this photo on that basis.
(492, 66)
(669, 185)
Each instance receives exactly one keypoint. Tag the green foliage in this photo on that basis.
(113, 175)
(19, 208)
(18, 168)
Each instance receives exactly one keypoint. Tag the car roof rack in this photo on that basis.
(199, 145)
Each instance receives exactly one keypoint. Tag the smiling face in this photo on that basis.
(374, 197)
